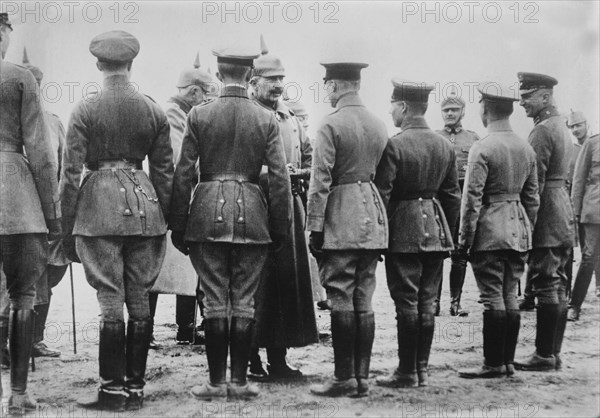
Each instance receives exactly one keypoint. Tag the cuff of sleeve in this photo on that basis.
(51, 210)
(177, 222)
(315, 223)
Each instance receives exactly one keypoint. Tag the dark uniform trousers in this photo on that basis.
(548, 276)
(122, 269)
(590, 263)
(228, 272)
(413, 280)
(348, 276)
(497, 274)
(24, 258)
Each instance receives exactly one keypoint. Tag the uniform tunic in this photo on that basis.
(462, 140)
(228, 218)
(418, 181)
(345, 205)
(28, 185)
(118, 214)
(554, 232)
(284, 309)
(498, 212)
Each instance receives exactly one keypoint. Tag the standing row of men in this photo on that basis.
(368, 194)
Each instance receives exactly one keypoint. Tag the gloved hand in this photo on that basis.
(463, 251)
(69, 248)
(54, 229)
(179, 242)
(315, 244)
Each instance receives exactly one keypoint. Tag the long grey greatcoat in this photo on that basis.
(419, 164)
(586, 182)
(28, 185)
(231, 211)
(343, 202)
(500, 196)
(117, 202)
(551, 141)
(285, 312)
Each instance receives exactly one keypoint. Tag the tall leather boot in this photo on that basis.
(343, 335)
(217, 345)
(438, 300)
(365, 334)
(405, 376)
(39, 348)
(278, 367)
(4, 355)
(561, 325)
(21, 340)
(426, 330)
(457, 279)
(494, 333)
(136, 355)
(546, 327)
(112, 395)
(513, 324)
(240, 340)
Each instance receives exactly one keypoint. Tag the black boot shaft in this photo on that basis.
(408, 341)
(138, 341)
(343, 336)
(112, 355)
(240, 340)
(494, 333)
(513, 325)
(426, 330)
(365, 334)
(21, 340)
(546, 327)
(40, 321)
(217, 346)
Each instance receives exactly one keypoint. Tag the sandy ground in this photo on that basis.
(173, 370)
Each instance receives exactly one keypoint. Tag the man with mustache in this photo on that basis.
(453, 110)
(554, 232)
(285, 314)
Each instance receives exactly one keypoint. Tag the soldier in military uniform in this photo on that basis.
(227, 226)
(29, 209)
(498, 212)
(586, 200)
(418, 182)
(57, 261)
(177, 274)
(285, 315)
(348, 224)
(554, 232)
(453, 110)
(116, 216)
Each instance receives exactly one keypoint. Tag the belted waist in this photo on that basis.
(8, 147)
(114, 164)
(501, 197)
(351, 179)
(555, 183)
(427, 195)
(239, 177)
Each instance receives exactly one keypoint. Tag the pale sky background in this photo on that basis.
(395, 38)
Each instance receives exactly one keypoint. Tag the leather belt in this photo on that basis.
(8, 147)
(350, 180)
(428, 195)
(114, 164)
(239, 177)
(555, 183)
(501, 197)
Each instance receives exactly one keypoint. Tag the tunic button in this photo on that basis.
(424, 216)
(141, 212)
(426, 234)
(222, 201)
(359, 182)
(133, 170)
(127, 212)
(240, 219)
(442, 235)
(367, 220)
(220, 218)
(420, 199)
(364, 200)
(122, 189)
(240, 181)
(239, 200)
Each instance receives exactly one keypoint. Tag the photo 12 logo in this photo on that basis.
(71, 12)
(469, 11)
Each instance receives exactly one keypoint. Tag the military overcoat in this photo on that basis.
(586, 182)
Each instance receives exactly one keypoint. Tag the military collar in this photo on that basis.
(281, 110)
(413, 122)
(545, 113)
(456, 129)
(350, 98)
(499, 126)
(183, 105)
(234, 90)
(116, 80)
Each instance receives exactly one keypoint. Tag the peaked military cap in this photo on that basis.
(4, 20)
(236, 55)
(575, 117)
(343, 70)
(115, 46)
(530, 82)
(267, 65)
(195, 76)
(410, 91)
(453, 101)
(495, 92)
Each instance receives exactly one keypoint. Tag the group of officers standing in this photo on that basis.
(232, 198)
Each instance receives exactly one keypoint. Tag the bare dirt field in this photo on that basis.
(173, 370)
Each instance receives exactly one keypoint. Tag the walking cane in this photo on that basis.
(73, 309)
